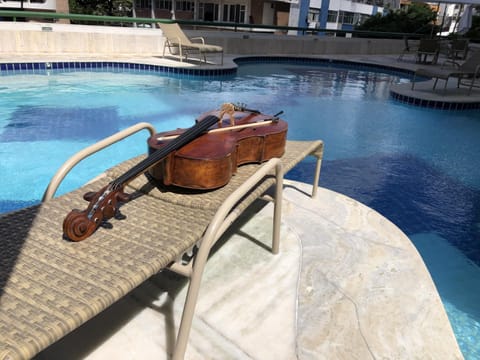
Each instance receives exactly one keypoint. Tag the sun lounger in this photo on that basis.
(465, 73)
(178, 42)
(50, 286)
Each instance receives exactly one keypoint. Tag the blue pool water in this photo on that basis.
(417, 167)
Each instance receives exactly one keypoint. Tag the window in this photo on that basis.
(208, 11)
(346, 17)
(313, 15)
(144, 4)
(234, 13)
(163, 4)
(332, 16)
(184, 6)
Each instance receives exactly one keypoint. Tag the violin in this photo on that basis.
(105, 203)
(209, 161)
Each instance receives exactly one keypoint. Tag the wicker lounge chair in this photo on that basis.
(465, 73)
(178, 43)
(50, 286)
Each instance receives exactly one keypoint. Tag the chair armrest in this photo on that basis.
(453, 62)
(199, 38)
(68, 165)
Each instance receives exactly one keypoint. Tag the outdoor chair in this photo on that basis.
(178, 43)
(49, 286)
(426, 48)
(465, 73)
(409, 48)
(458, 49)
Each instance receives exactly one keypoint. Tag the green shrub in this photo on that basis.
(416, 18)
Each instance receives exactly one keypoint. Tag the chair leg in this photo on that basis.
(190, 303)
(471, 85)
(277, 210)
(319, 155)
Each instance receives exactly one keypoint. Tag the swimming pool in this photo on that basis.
(418, 167)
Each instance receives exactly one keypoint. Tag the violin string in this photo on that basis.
(184, 138)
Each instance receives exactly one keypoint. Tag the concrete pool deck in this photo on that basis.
(346, 284)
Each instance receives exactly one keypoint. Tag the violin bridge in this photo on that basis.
(227, 109)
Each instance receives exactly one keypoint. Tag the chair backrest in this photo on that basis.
(459, 44)
(428, 45)
(174, 33)
(471, 63)
(459, 48)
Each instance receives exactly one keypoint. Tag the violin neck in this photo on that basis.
(183, 139)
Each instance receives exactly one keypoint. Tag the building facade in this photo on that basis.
(315, 14)
(338, 14)
(59, 6)
(342, 14)
(39, 5)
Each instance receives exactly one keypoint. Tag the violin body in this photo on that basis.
(209, 161)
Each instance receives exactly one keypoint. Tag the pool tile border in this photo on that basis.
(41, 67)
(8, 68)
(434, 104)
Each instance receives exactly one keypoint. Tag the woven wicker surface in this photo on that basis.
(50, 286)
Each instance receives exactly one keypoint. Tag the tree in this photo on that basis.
(101, 7)
(416, 18)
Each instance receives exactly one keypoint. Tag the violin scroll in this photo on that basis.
(104, 204)
(77, 226)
